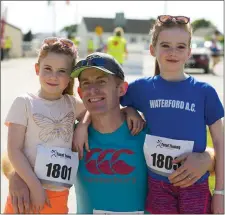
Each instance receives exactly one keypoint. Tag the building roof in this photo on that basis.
(135, 26)
(13, 26)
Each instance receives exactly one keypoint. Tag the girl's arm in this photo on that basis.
(216, 131)
(16, 134)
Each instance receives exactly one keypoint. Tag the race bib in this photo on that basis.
(55, 165)
(116, 213)
(160, 152)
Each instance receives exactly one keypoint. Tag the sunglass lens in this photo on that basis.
(165, 18)
(50, 40)
(182, 19)
(98, 62)
(69, 43)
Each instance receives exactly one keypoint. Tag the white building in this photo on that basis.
(136, 32)
(16, 36)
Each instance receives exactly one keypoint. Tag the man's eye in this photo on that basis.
(85, 83)
(102, 81)
(165, 46)
(47, 68)
(62, 71)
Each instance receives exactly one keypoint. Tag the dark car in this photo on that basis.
(200, 55)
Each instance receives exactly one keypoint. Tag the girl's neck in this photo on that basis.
(48, 96)
(174, 76)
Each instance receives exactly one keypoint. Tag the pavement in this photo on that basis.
(18, 76)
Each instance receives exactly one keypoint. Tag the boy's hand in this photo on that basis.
(135, 121)
(217, 204)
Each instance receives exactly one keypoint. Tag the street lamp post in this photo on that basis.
(54, 19)
(165, 7)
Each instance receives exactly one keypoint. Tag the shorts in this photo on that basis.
(58, 200)
(164, 198)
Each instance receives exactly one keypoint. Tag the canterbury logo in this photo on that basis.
(109, 167)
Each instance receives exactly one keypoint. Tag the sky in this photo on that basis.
(38, 17)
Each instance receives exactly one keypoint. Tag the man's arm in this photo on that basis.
(194, 166)
(7, 167)
(18, 189)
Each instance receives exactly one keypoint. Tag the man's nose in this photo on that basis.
(93, 89)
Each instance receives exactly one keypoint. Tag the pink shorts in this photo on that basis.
(164, 198)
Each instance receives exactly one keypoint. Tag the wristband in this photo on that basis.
(219, 192)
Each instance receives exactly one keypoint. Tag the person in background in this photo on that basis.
(90, 45)
(7, 46)
(117, 45)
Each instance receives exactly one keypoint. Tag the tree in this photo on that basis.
(70, 30)
(201, 23)
(152, 21)
(28, 36)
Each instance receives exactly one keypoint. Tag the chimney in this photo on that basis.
(120, 20)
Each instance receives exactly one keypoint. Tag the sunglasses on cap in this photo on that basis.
(65, 42)
(100, 62)
(178, 19)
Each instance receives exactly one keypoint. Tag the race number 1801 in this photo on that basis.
(56, 171)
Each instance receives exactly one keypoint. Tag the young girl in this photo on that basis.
(40, 130)
(177, 109)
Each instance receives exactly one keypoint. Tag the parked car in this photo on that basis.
(201, 55)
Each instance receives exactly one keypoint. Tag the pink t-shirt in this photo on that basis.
(47, 122)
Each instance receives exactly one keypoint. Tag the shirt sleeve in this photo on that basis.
(213, 107)
(132, 97)
(18, 112)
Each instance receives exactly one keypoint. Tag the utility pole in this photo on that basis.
(165, 8)
(54, 19)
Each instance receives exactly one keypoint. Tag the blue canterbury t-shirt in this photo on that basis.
(176, 110)
(113, 175)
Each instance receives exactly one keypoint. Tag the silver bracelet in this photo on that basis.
(220, 192)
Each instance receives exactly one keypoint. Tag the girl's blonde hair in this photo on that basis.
(60, 48)
(158, 27)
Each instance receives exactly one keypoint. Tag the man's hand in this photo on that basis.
(194, 166)
(19, 193)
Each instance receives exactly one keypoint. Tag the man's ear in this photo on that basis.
(37, 68)
(152, 50)
(123, 88)
(79, 92)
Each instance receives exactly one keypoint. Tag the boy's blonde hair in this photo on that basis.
(60, 48)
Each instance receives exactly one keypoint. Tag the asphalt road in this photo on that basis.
(18, 76)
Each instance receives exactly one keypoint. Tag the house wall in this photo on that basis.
(82, 33)
(135, 42)
(16, 36)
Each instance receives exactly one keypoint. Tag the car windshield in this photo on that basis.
(198, 44)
